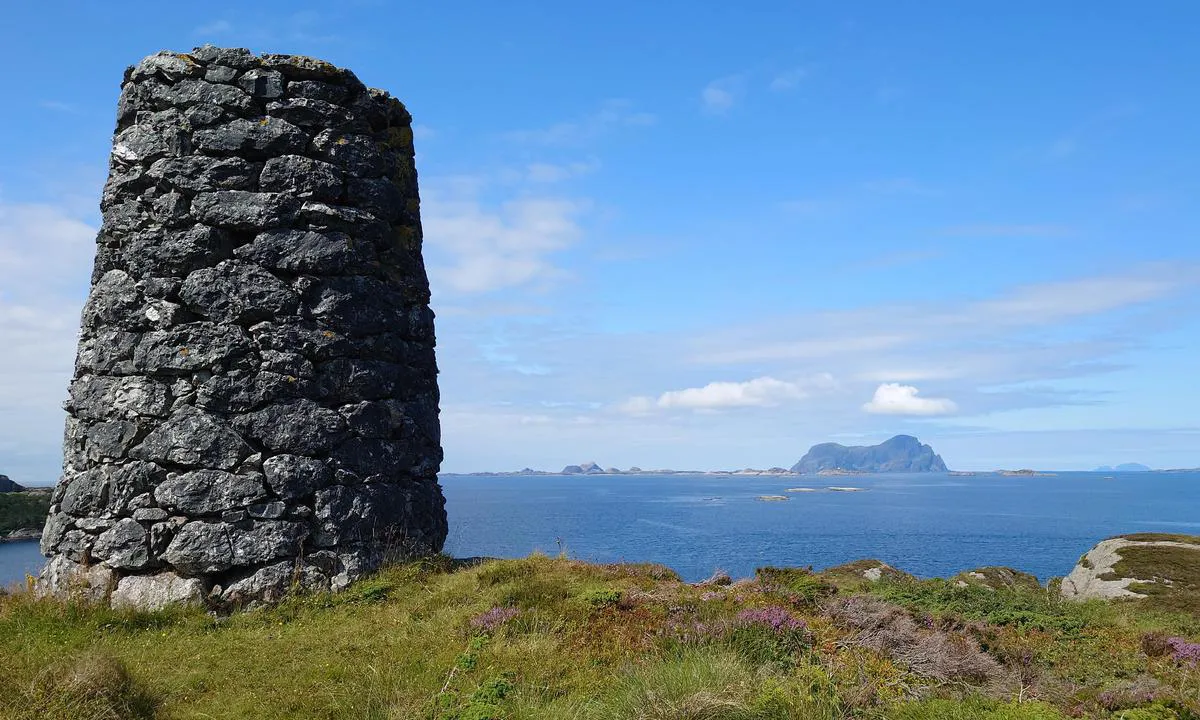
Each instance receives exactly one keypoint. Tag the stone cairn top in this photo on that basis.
(255, 405)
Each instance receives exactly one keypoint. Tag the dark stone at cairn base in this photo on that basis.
(255, 400)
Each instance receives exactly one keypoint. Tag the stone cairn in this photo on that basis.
(255, 403)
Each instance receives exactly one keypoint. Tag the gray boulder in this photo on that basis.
(155, 592)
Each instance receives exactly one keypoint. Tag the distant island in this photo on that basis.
(902, 453)
(593, 468)
(1125, 467)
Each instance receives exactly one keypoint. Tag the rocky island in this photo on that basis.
(902, 453)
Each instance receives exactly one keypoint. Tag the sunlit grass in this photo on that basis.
(543, 637)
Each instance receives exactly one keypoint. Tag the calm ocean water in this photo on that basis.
(17, 559)
(929, 525)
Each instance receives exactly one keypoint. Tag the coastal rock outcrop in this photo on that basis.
(255, 400)
(1136, 566)
(996, 578)
(902, 453)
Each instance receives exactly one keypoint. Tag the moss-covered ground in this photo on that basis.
(554, 638)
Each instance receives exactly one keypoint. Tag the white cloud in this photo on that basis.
(759, 392)
(59, 106)
(481, 250)
(804, 349)
(1055, 302)
(541, 172)
(716, 99)
(915, 374)
(866, 333)
(719, 95)
(42, 251)
(45, 263)
(897, 399)
(612, 115)
(789, 80)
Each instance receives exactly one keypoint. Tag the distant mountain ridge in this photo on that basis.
(902, 453)
(1124, 467)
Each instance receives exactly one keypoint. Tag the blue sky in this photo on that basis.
(694, 235)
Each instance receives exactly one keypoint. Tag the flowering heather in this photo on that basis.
(776, 618)
(494, 618)
(1184, 650)
(689, 632)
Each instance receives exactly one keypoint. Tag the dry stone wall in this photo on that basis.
(255, 398)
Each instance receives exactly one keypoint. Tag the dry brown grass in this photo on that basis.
(933, 653)
(93, 687)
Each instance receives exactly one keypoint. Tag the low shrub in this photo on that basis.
(768, 636)
(600, 597)
(1024, 607)
(493, 619)
(936, 654)
(974, 709)
(1184, 651)
(800, 585)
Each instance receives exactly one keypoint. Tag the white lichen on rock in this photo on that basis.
(1094, 578)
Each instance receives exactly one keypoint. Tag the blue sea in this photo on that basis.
(18, 559)
(928, 524)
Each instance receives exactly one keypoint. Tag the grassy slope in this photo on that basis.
(606, 642)
(1179, 566)
(23, 510)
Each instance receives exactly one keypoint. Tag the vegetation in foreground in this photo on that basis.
(553, 638)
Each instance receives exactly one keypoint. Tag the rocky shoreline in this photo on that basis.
(21, 535)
